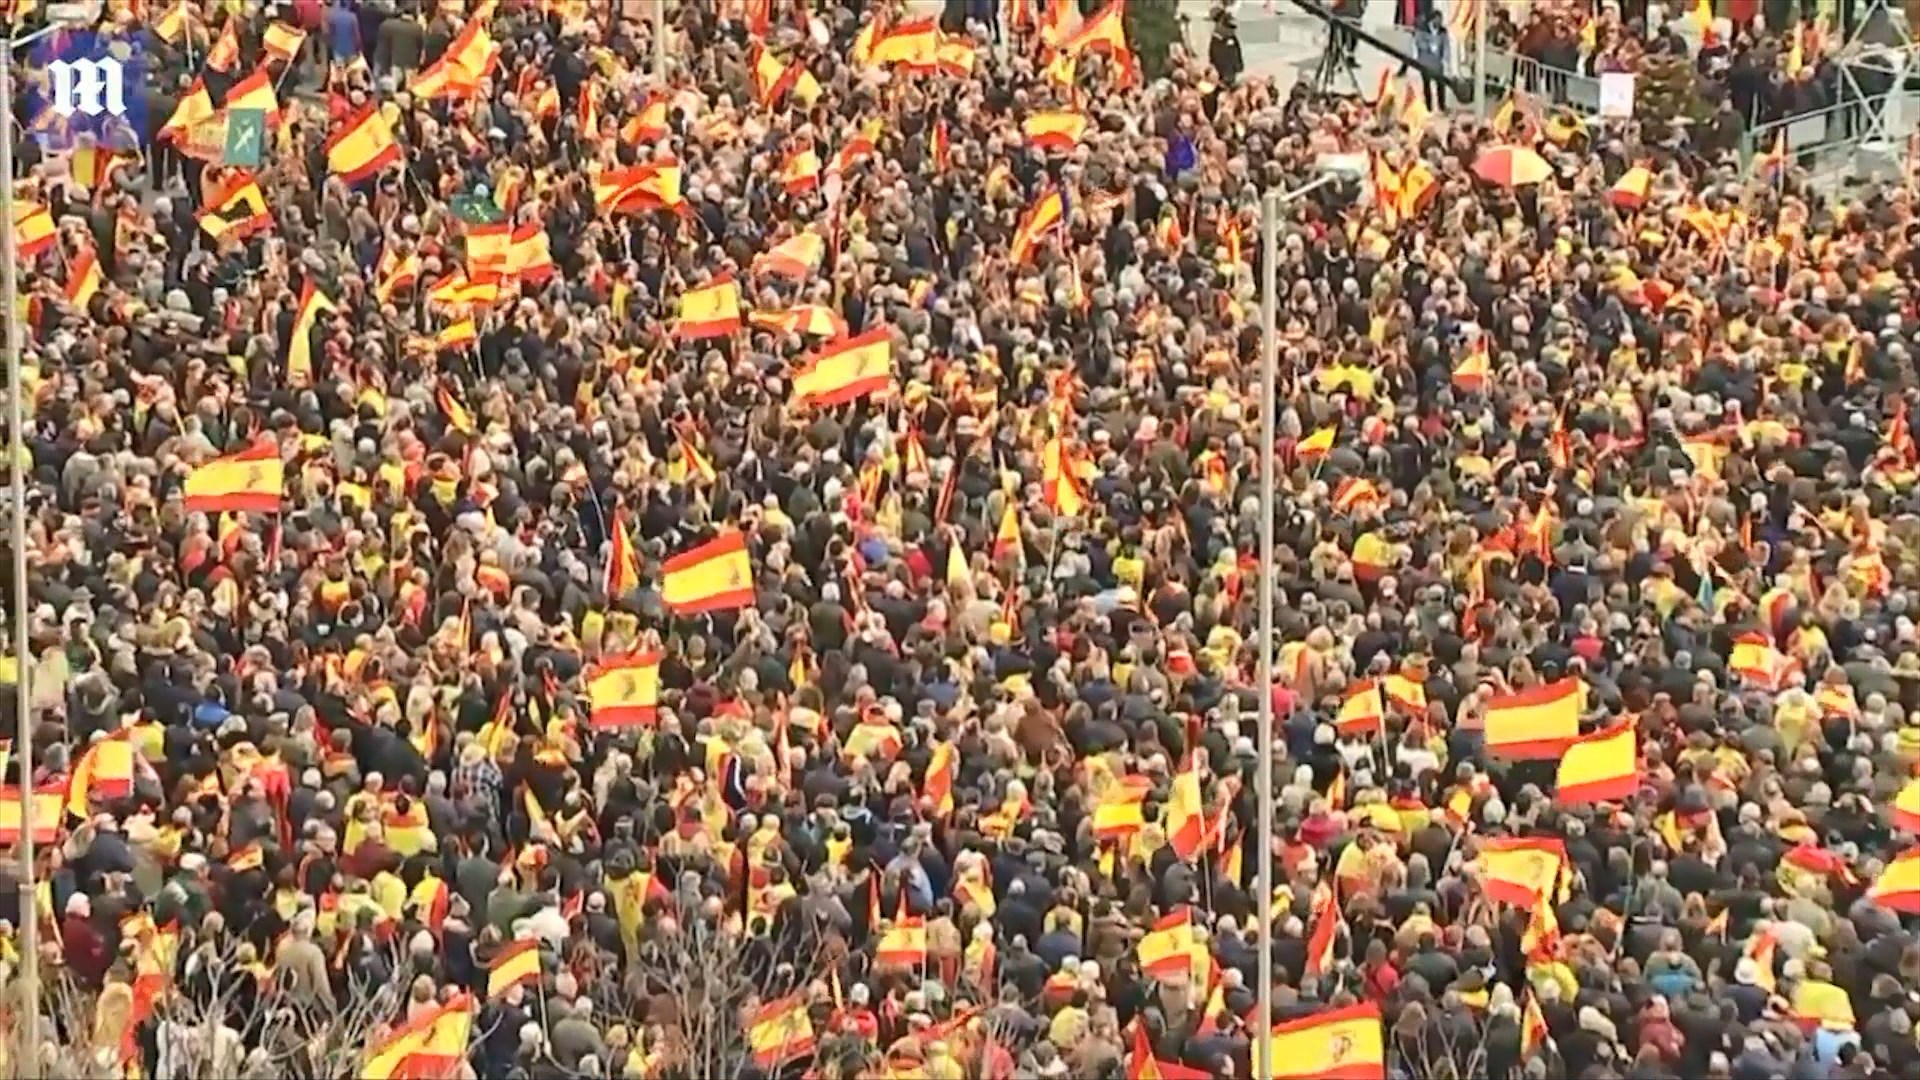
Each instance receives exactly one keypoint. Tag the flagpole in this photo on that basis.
(1271, 207)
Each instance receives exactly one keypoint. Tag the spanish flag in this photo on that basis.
(49, 810)
(1906, 807)
(361, 146)
(300, 342)
(1104, 31)
(846, 370)
(457, 415)
(623, 563)
(83, 277)
(1317, 445)
(238, 209)
(780, 1032)
(1898, 886)
(1333, 1044)
(255, 94)
(457, 289)
(395, 272)
(518, 963)
(225, 52)
(444, 1048)
(1145, 1066)
(796, 258)
(1058, 131)
(172, 23)
(251, 480)
(195, 108)
(904, 944)
(1406, 693)
(529, 258)
(1167, 950)
(716, 576)
(1537, 723)
(1320, 940)
(456, 335)
(1050, 210)
(800, 173)
(1519, 871)
(105, 772)
(1186, 814)
(624, 691)
(1362, 710)
(816, 320)
(1471, 373)
(1059, 479)
(1758, 663)
(1007, 539)
(1601, 767)
(650, 123)
(1630, 191)
(647, 186)
(942, 770)
(281, 41)
(33, 230)
(916, 42)
(710, 310)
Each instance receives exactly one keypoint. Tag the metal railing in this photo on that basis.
(1554, 84)
(1834, 135)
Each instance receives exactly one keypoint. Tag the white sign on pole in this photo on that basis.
(1616, 95)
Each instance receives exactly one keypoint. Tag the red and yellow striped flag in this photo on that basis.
(710, 310)
(249, 481)
(516, 965)
(1049, 211)
(716, 576)
(1333, 1044)
(846, 370)
(624, 691)
(1521, 870)
(1601, 767)
(362, 146)
(1898, 886)
(1058, 131)
(1536, 723)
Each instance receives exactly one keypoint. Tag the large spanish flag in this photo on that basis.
(251, 480)
(237, 209)
(518, 963)
(624, 691)
(1057, 131)
(916, 43)
(1906, 807)
(361, 146)
(1048, 211)
(712, 310)
(780, 1032)
(1521, 870)
(904, 944)
(300, 343)
(1167, 950)
(1601, 767)
(795, 258)
(846, 370)
(49, 810)
(1537, 723)
(1362, 711)
(1187, 813)
(33, 230)
(195, 108)
(255, 94)
(716, 576)
(1333, 1044)
(1898, 886)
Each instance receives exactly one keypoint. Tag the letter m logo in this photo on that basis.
(88, 86)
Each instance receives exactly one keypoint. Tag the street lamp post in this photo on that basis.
(28, 1063)
(1272, 208)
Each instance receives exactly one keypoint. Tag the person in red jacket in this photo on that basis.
(84, 947)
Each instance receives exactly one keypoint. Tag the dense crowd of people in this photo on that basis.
(550, 572)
